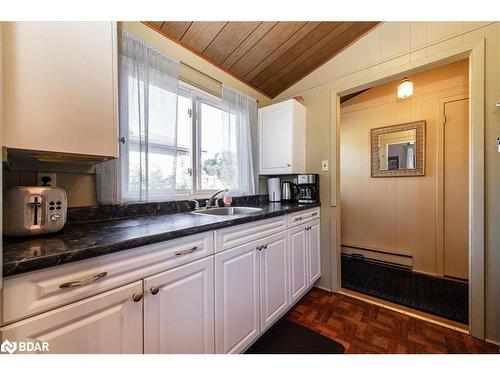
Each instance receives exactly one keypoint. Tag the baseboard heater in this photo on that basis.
(402, 261)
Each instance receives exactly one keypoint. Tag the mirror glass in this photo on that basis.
(398, 150)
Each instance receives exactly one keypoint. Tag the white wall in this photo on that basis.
(395, 44)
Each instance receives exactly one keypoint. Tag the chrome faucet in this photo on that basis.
(210, 201)
(196, 204)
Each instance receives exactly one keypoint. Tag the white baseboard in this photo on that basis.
(323, 288)
(401, 259)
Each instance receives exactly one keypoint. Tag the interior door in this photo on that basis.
(237, 305)
(273, 278)
(456, 189)
(179, 310)
(314, 252)
(108, 323)
(298, 262)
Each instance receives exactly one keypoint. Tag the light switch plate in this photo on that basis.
(41, 175)
(324, 165)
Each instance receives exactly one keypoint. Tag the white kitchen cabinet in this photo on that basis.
(305, 258)
(313, 252)
(60, 87)
(110, 322)
(41, 290)
(237, 305)
(282, 138)
(274, 298)
(298, 262)
(179, 310)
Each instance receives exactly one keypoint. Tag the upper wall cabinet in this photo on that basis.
(282, 138)
(60, 87)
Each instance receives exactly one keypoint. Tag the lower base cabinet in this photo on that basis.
(109, 323)
(313, 252)
(273, 279)
(305, 258)
(251, 291)
(179, 310)
(217, 304)
(237, 305)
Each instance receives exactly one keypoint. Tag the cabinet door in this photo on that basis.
(179, 310)
(275, 139)
(298, 262)
(110, 322)
(237, 307)
(313, 252)
(61, 87)
(274, 299)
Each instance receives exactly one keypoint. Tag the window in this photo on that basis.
(158, 162)
(207, 144)
(175, 140)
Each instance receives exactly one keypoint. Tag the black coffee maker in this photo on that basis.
(307, 188)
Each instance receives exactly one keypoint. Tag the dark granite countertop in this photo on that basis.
(79, 241)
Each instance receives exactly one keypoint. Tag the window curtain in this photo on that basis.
(148, 86)
(237, 141)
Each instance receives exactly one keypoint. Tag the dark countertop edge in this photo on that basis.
(48, 261)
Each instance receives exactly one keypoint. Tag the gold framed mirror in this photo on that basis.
(398, 150)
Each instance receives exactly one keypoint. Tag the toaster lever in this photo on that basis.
(36, 207)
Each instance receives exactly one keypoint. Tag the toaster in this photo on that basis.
(30, 210)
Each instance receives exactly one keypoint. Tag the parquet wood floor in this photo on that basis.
(366, 328)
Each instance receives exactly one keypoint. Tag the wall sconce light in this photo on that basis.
(405, 88)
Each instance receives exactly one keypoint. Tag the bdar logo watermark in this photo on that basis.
(24, 347)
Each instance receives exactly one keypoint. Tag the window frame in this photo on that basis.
(198, 97)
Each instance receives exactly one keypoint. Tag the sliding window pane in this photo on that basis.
(218, 157)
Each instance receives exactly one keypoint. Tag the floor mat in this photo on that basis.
(286, 337)
(442, 297)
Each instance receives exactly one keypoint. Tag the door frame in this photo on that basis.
(475, 52)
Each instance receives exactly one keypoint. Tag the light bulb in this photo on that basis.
(405, 89)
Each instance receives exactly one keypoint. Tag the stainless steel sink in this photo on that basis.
(227, 211)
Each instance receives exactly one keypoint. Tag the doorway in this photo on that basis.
(475, 52)
(404, 238)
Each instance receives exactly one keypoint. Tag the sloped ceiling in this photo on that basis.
(269, 56)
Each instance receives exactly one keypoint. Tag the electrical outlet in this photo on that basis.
(324, 165)
(46, 179)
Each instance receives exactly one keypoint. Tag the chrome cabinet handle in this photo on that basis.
(314, 214)
(259, 248)
(188, 251)
(90, 280)
(265, 247)
(136, 297)
(154, 290)
(298, 218)
(122, 140)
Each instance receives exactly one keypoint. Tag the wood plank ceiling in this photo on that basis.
(269, 56)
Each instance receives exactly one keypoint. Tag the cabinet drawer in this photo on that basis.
(241, 234)
(109, 323)
(39, 291)
(302, 217)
